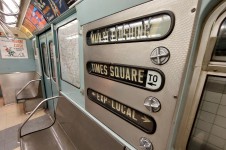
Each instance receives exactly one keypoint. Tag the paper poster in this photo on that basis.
(30, 26)
(13, 48)
(45, 8)
(58, 6)
(34, 19)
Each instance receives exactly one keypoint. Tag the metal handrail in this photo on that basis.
(36, 108)
(7, 23)
(9, 35)
(26, 86)
(12, 13)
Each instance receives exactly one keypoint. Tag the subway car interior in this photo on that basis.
(112, 75)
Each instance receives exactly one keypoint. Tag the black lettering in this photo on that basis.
(150, 75)
(155, 78)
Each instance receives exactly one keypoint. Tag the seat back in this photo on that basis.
(13, 82)
(33, 90)
(82, 130)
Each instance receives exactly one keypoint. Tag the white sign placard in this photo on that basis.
(13, 48)
(154, 80)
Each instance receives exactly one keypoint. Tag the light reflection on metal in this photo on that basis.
(160, 55)
(152, 104)
(148, 28)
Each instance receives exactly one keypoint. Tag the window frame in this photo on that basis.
(203, 67)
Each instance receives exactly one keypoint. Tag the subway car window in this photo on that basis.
(46, 63)
(219, 53)
(209, 129)
(52, 60)
(69, 53)
(34, 47)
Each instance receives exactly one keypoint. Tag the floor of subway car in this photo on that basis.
(11, 117)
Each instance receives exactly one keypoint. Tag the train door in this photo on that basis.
(204, 121)
(52, 62)
(48, 59)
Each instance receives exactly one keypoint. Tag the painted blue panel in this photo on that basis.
(67, 89)
(73, 93)
(207, 6)
(9, 66)
(90, 10)
(19, 65)
(38, 66)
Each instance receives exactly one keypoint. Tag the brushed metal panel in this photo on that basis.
(12, 83)
(138, 54)
(83, 132)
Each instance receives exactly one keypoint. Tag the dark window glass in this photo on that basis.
(34, 47)
(52, 60)
(219, 53)
(45, 56)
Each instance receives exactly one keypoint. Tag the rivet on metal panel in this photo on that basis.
(175, 96)
(193, 10)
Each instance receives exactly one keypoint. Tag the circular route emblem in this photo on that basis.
(160, 55)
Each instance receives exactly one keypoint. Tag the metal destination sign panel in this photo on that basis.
(146, 78)
(152, 27)
(140, 120)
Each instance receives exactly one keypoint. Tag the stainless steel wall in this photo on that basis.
(12, 83)
(138, 54)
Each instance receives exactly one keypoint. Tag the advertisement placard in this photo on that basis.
(13, 48)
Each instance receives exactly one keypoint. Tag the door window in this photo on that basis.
(209, 128)
(219, 53)
(52, 59)
(45, 55)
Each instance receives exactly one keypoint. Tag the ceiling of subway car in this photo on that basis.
(24, 18)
